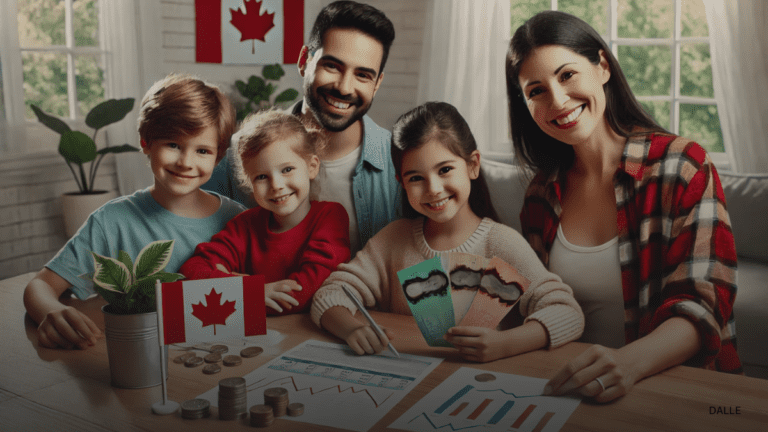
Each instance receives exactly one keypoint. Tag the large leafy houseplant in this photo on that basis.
(129, 286)
(258, 91)
(77, 148)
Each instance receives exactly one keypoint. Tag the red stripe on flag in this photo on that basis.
(173, 313)
(208, 31)
(293, 30)
(254, 309)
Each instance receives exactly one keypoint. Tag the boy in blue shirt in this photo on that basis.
(185, 126)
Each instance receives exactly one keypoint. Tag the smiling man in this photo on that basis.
(343, 67)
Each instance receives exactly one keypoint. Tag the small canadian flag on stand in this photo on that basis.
(212, 309)
(249, 31)
(206, 310)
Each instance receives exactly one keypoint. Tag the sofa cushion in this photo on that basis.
(750, 314)
(507, 186)
(746, 198)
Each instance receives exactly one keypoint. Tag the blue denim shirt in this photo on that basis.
(376, 191)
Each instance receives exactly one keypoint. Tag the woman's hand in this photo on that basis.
(599, 372)
(67, 328)
(277, 295)
(478, 344)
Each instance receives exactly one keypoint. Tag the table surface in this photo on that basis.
(50, 389)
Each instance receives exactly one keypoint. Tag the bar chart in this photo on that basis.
(508, 403)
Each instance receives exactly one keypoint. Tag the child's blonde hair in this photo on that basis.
(183, 105)
(266, 127)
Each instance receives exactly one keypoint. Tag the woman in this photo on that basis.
(631, 217)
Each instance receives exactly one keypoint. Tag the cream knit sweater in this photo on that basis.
(401, 244)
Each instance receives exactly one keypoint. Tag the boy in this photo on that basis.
(185, 125)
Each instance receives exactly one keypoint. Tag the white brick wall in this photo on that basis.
(31, 228)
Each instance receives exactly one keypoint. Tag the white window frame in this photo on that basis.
(674, 43)
(33, 136)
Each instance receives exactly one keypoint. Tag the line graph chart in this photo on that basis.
(332, 382)
(508, 403)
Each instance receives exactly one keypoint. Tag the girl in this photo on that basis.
(293, 242)
(447, 208)
(629, 215)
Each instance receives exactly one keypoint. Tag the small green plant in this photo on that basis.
(258, 91)
(129, 287)
(78, 148)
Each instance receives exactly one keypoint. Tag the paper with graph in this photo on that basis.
(337, 387)
(476, 400)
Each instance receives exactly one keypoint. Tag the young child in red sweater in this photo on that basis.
(294, 242)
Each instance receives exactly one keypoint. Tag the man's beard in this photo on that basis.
(331, 121)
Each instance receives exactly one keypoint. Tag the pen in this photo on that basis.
(367, 316)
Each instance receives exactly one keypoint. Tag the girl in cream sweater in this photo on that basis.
(448, 209)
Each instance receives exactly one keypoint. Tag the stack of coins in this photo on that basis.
(277, 398)
(233, 399)
(195, 409)
(295, 409)
(262, 416)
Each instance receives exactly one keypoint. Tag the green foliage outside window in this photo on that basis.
(41, 25)
(648, 68)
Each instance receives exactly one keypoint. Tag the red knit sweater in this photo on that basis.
(307, 253)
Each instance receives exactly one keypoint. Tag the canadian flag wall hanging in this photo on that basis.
(249, 31)
(212, 309)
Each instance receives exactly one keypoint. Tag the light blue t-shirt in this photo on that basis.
(129, 223)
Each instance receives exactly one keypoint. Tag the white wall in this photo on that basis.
(31, 229)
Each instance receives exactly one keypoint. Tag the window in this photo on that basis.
(663, 49)
(55, 62)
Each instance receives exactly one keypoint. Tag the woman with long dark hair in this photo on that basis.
(630, 216)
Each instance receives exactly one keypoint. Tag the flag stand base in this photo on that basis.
(165, 408)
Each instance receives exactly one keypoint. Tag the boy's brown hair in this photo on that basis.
(183, 105)
(266, 127)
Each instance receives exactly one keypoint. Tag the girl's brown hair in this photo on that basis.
(266, 127)
(183, 105)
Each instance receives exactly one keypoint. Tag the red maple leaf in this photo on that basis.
(251, 24)
(215, 312)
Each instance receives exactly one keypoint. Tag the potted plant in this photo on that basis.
(258, 91)
(130, 317)
(77, 149)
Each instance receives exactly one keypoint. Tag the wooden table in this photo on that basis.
(46, 389)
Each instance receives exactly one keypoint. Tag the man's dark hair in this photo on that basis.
(353, 15)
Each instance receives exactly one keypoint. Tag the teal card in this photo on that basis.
(427, 290)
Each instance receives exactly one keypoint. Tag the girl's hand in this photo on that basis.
(478, 344)
(616, 373)
(364, 340)
(67, 328)
(277, 294)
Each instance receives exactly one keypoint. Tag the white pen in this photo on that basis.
(367, 316)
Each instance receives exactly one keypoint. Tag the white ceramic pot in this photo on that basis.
(76, 207)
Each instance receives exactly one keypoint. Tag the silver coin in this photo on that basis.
(212, 358)
(195, 404)
(295, 409)
(193, 361)
(221, 349)
(232, 360)
(211, 369)
(251, 352)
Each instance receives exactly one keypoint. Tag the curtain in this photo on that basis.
(738, 31)
(12, 120)
(462, 63)
(124, 66)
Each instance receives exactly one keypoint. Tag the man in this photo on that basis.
(342, 65)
